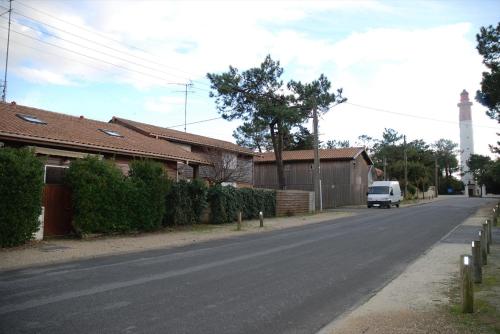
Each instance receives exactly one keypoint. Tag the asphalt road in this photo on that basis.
(289, 281)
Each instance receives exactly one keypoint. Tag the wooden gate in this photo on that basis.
(58, 210)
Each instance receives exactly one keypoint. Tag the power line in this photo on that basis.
(202, 121)
(87, 48)
(93, 42)
(120, 43)
(413, 116)
(96, 59)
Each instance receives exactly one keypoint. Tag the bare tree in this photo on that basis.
(226, 167)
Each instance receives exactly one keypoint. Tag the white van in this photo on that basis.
(384, 194)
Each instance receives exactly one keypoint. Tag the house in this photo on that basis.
(345, 174)
(229, 163)
(62, 138)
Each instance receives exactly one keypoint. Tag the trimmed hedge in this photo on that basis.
(225, 202)
(185, 202)
(21, 186)
(149, 187)
(105, 201)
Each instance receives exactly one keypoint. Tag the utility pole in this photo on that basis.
(436, 180)
(385, 169)
(316, 172)
(188, 84)
(406, 168)
(4, 92)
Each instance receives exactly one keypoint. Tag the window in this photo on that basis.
(111, 133)
(31, 119)
(378, 190)
(55, 174)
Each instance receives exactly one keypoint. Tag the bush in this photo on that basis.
(149, 186)
(100, 196)
(105, 201)
(21, 186)
(225, 202)
(185, 202)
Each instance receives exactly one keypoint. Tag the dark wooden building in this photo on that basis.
(345, 174)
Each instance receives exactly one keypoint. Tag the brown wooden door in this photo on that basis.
(58, 210)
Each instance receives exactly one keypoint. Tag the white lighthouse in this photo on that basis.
(466, 141)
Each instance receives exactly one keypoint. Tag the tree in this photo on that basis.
(478, 167)
(302, 139)
(253, 136)
(258, 96)
(337, 143)
(446, 151)
(488, 45)
(367, 142)
(225, 167)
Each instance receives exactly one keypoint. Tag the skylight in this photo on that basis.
(111, 133)
(30, 118)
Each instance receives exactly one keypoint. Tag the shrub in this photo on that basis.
(21, 186)
(149, 186)
(185, 202)
(225, 202)
(105, 201)
(100, 196)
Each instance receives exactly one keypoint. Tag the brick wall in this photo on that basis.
(292, 202)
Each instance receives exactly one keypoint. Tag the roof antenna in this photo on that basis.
(4, 92)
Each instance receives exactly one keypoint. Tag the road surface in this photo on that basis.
(288, 281)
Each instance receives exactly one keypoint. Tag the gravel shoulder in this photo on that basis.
(61, 250)
(417, 300)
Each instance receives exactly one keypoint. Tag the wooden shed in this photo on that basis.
(345, 174)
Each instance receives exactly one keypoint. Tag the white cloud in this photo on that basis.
(43, 76)
(164, 104)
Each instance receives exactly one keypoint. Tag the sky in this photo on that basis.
(401, 64)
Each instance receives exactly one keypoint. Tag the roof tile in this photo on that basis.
(304, 155)
(181, 137)
(61, 129)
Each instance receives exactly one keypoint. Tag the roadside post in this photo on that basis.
(238, 227)
(486, 237)
(261, 219)
(476, 261)
(467, 287)
(490, 227)
(484, 255)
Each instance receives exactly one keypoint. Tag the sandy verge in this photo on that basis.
(61, 250)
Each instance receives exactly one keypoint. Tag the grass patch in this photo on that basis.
(486, 316)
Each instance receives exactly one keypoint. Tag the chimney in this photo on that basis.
(81, 117)
(13, 103)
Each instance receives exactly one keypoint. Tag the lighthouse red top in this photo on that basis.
(464, 106)
(464, 96)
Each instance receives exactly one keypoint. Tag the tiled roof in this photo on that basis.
(181, 137)
(308, 155)
(70, 131)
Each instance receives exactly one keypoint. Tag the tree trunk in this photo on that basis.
(277, 139)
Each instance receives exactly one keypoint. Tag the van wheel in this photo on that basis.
(369, 206)
(388, 206)
(397, 205)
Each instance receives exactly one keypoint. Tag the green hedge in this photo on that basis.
(225, 202)
(149, 187)
(105, 201)
(185, 202)
(21, 186)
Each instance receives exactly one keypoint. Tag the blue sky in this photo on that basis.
(130, 58)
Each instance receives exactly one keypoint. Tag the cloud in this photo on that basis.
(164, 104)
(43, 76)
